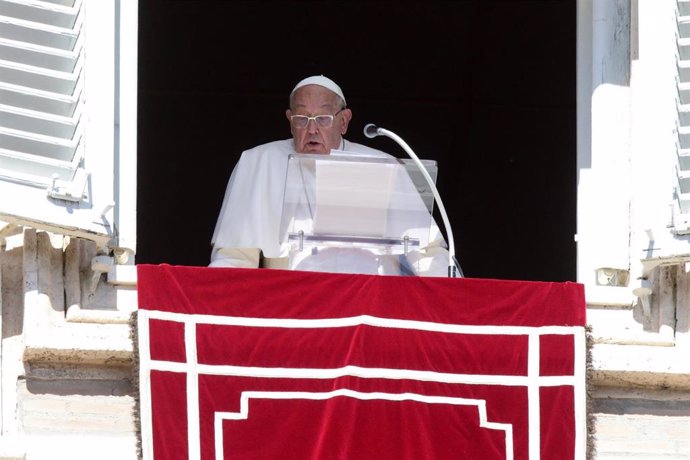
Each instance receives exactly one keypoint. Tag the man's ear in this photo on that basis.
(346, 116)
(288, 114)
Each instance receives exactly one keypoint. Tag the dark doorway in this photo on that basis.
(485, 87)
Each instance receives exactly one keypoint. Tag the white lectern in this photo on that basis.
(351, 213)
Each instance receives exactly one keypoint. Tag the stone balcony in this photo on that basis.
(68, 376)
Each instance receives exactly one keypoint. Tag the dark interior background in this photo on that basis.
(484, 87)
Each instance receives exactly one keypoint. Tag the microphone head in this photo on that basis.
(371, 130)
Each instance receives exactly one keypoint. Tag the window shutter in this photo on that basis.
(681, 208)
(43, 113)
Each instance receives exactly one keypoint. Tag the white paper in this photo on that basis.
(353, 198)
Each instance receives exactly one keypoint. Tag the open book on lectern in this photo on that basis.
(352, 200)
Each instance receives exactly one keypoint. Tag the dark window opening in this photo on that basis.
(486, 88)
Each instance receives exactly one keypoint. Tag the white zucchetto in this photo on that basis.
(321, 81)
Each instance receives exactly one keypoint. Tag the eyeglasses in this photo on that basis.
(322, 121)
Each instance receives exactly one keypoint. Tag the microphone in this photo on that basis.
(371, 131)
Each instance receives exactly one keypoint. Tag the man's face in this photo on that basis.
(313, 100)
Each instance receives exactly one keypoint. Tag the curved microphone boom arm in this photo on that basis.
(372, 131)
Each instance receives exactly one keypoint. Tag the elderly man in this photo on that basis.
(247, 230)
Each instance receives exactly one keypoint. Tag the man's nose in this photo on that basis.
(312, 127)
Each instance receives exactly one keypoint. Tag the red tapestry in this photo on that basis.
(273, 364)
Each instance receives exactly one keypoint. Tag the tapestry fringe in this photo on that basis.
(591, 429)
(136, 411)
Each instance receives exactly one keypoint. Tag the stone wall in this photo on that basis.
(641, 370)
(67, 358)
